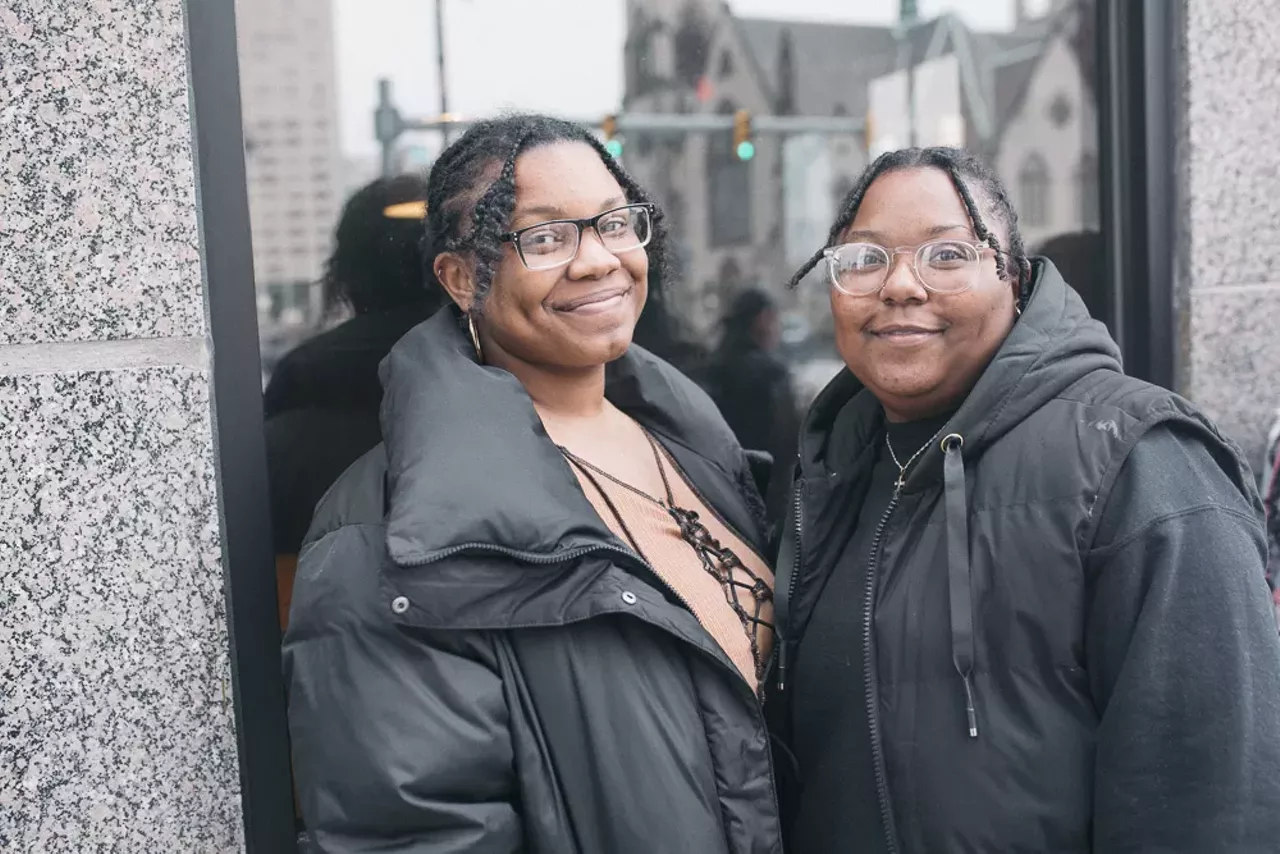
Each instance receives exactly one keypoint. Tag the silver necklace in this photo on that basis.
(902, 467)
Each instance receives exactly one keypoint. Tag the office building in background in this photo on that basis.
(288, 85)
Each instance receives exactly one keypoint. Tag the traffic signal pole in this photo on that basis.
(389, 124)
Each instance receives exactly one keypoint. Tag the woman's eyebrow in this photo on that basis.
(877, 237)
(558, 213)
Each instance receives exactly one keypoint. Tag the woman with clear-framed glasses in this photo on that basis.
(1021, 602)
(537, 618)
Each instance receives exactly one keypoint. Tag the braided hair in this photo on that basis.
(471, 194)
(963, 168)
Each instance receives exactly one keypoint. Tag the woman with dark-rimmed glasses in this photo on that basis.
(537, 618)
(1021, 603)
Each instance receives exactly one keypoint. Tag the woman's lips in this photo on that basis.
(904, 335)
(597, 302)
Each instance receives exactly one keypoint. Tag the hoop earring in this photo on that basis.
(475, 337)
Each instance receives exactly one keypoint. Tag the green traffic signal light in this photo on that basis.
(614, 147)
(746, 150)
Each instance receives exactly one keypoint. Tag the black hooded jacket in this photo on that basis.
(1068, 645)
(476, 664)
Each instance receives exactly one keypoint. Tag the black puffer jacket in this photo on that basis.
(476, 664)
(1068, 646)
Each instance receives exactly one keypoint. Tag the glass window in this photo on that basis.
(334, 225)
(1035, 190)
(1087, 191)
(726, 64)
(1013, 82)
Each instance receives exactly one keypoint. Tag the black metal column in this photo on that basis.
(1137, 87)
(226, 249)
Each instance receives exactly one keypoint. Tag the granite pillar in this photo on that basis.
(116, 719)
(1229, 222)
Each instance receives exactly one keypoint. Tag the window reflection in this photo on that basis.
(1017, 89)
(1016, 86)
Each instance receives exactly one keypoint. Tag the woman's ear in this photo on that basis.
(454, 274)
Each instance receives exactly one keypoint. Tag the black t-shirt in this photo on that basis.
(839, 808)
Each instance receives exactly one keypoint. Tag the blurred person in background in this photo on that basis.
(536, 619)
(664, 335)
(321, 404)
(1081, 260)
(1021, 602)
(753, 387)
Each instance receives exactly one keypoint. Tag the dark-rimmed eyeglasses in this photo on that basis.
(942, 266)
(555, 243)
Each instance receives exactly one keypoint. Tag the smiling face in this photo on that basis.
(571, 317)
(920, 352)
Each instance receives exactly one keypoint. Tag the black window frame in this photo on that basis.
(262, 733)
(1138, 56)
(1140, 75)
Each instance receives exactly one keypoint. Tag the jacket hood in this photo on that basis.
(470, 465)
(1054, 344)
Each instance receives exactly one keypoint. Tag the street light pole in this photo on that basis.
(907, 15)
(440, 75)
(387, 126)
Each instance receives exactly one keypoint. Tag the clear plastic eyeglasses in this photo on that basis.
(942, 266)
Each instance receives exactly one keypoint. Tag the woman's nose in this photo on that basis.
(901, 284)
(593, 259)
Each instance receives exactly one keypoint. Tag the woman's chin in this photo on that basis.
(611, 346)
(908, 388)
(581, 352)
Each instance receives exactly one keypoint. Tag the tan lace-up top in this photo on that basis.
(710, 588)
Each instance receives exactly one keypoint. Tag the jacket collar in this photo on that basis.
(469, 463)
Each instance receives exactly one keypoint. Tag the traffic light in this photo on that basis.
(742, 144)
(611, 144)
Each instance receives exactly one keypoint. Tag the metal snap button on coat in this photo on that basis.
(399, 605)
(629, 597)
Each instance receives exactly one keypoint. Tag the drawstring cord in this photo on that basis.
(958, 571)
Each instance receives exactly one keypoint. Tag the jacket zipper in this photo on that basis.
(792, 582)
(527, 557)
(582, 551)
(869, 678)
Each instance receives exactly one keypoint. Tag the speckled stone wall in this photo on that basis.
(1229, 166)
(116, 726)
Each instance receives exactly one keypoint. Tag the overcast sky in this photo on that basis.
(561, 56)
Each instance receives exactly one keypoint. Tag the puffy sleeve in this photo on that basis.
(400, 738)
(1183, 656)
